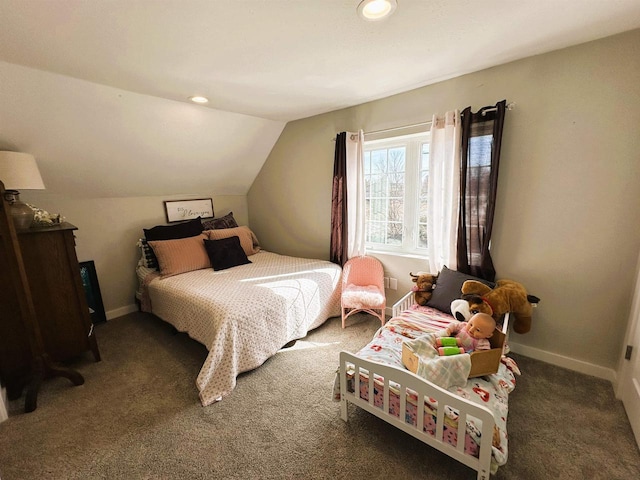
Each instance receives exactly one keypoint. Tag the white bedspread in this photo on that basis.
(245, 314)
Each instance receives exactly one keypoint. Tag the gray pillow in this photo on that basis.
(449, 287)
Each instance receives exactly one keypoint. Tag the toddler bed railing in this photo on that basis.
(403, 304)
(363, 382)
(403, 381)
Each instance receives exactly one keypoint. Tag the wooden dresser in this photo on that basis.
(59, 299)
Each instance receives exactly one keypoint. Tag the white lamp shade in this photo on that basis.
(19, 171)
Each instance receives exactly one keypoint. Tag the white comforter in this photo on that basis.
(245, 314)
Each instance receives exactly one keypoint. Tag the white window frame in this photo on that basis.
(413, 144)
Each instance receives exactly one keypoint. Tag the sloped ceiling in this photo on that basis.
(91, 140)
(97, 90)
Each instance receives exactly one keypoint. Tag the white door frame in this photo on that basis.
(626, 390)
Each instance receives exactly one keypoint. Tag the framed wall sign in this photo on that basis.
(178, 210)
(92, 291)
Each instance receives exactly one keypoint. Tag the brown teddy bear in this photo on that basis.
(507, 296)
(424, 283)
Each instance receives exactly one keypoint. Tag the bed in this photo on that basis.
(244, 314)
(481, 403)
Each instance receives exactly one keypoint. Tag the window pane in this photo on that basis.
(422, 212)
(378, 161)
(394, 233)
(376, 232)
(397, 160)
(424, 160)
(378, 186)
(396, 187)
(480, 151)
(422, 236)
(378, 210)
(421, 241)
(396, 210)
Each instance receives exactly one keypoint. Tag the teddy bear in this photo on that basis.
(506, 296)
(423, 288)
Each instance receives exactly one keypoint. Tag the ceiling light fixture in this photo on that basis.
(198, 99)
(374, 10)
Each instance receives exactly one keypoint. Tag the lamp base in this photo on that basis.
(21, 213)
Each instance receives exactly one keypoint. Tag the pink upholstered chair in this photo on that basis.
(363, 288)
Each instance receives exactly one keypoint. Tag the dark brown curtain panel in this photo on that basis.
(481, 141)
(339, 217)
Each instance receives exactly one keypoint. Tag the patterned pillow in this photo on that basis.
(148, 258)
(218, 223)
(248, 240)
(226, 253)
(181, 255)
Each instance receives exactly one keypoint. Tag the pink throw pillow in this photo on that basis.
(181, 255)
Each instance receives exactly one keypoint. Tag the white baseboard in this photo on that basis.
(119, 312)
(565, 362)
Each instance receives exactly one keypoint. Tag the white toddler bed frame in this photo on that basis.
(408, 380)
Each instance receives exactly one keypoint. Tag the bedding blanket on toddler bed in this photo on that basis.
(491, 391)
(444, 371)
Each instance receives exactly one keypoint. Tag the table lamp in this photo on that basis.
(19, 171)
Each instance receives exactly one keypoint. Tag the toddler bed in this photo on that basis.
(466, 422)
(242, 314)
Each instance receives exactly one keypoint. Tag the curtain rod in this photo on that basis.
(510, 106)
(419, 124)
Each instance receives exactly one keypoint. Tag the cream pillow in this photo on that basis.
(181, 255)
(248, 240)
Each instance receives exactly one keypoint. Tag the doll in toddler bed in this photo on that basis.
(473, 334)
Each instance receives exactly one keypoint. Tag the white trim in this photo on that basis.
(565, 362)
(119, 312)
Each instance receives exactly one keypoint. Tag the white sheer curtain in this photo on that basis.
(355, 194)
(444, 190)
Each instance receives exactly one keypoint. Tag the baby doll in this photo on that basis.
(474, 334)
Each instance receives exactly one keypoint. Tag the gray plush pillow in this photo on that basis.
(449, 287)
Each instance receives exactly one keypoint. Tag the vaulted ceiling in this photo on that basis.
(98, 90)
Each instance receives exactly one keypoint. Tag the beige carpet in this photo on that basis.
(138, 417)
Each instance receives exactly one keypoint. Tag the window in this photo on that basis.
(396, 174)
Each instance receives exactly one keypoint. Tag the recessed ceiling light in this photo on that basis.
(198, 99)
(373, 10)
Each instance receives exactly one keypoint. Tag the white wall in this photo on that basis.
(567, 218)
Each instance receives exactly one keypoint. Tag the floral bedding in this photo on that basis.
(245, 314)
(491, 391)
